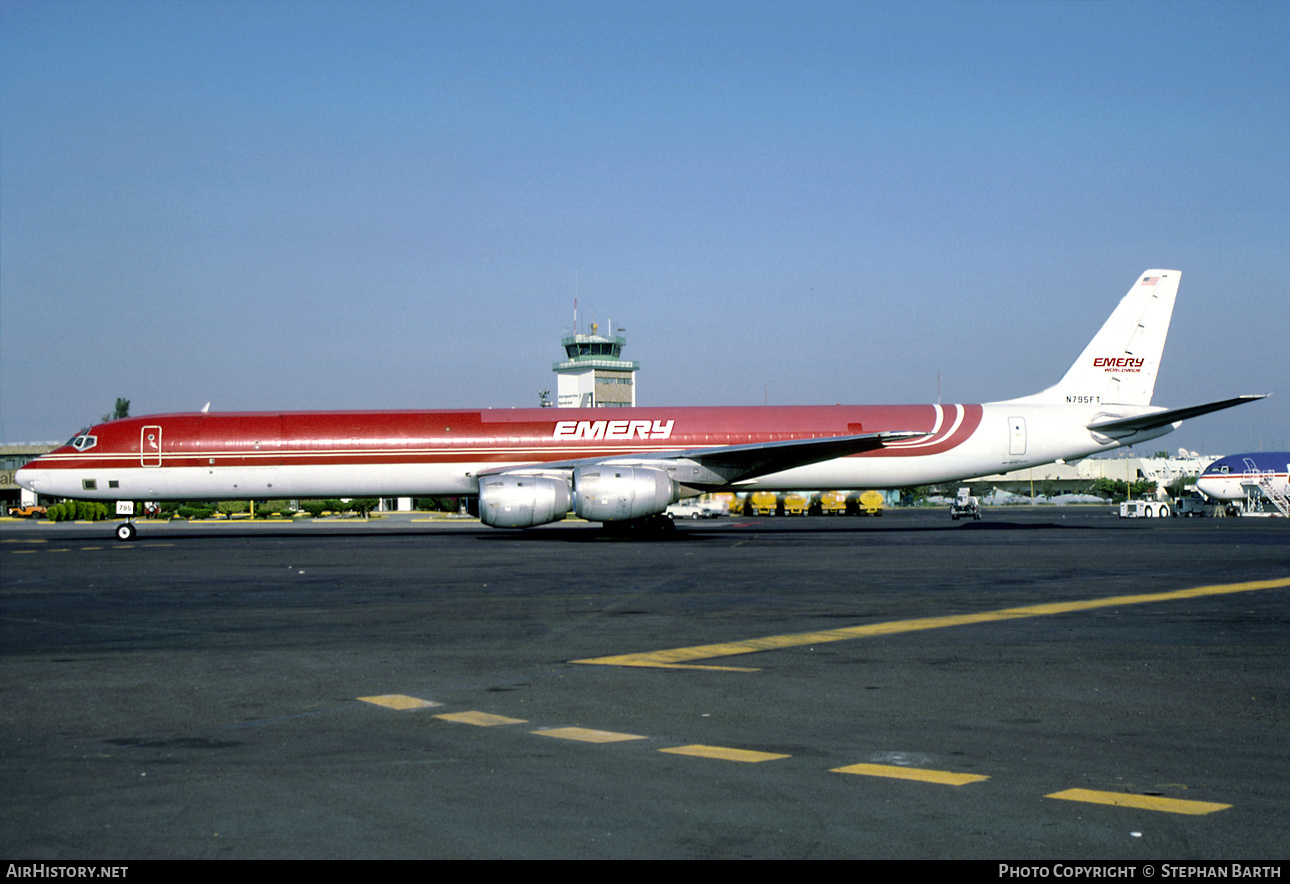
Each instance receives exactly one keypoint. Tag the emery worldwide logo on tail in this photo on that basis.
(1124, 364)
(613, 430)
(1118, 364)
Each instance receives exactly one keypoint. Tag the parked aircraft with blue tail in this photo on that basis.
(1251, 478)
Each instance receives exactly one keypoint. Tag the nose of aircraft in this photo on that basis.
(28, 475)
(1213, 486)
(35, 475)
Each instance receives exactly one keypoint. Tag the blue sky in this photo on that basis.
(277, 205)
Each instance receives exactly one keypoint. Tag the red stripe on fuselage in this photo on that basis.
(497, 436)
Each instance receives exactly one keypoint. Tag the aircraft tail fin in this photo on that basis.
(1119, 365)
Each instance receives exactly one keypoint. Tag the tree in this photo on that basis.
(1111, 488)
(121, 410)
(1142, 487)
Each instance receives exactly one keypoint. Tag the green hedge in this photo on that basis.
(316, 508)
(79, 510)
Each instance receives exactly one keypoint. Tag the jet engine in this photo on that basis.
(510, 501)
(607, 493)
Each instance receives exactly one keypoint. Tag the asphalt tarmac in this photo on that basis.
(1031, 686)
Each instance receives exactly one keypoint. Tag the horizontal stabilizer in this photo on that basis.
(1125, 425)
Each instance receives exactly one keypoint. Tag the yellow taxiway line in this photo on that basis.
(724, 753)
(923, 775)
(399, 701)
(480, 719)
(1141, 802)
(586, 735)
(687, 658)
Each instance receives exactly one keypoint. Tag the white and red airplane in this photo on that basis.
(533, 466)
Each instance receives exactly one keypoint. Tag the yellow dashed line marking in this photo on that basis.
(749, 756)
(684, 658)
(399, 701)
(1141, 802)
(586, 735)
(62, 549)
(943, 777)
(16, 540)
(480, 719)
(724, 753)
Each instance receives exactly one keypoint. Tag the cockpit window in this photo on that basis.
(84, 442)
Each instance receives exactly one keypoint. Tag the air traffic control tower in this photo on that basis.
(595, 375)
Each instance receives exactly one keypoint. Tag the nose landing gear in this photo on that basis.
(126, 531)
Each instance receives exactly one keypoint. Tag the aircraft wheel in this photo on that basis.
(126, 531)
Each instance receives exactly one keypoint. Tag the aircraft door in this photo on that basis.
(150, 446)
(1016, 435)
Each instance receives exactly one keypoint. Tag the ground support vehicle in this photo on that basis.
(965, 506)
(687, 509)
(1144, 509)
(1191, 505)
(869, 504)
(795, 504)
(763, 503)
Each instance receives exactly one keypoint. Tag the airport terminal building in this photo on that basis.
(12, 458)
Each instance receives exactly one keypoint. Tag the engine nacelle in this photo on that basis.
(607, 493)
(522, 501)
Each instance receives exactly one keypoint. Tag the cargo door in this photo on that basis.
(1016, 435)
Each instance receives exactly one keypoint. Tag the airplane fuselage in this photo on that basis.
(1234, 476)
(422, 453)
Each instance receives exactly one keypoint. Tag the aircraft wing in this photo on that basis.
(735, 463)
(1116, 426)
(739, 463)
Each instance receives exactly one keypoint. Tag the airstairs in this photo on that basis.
(1260, 486)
